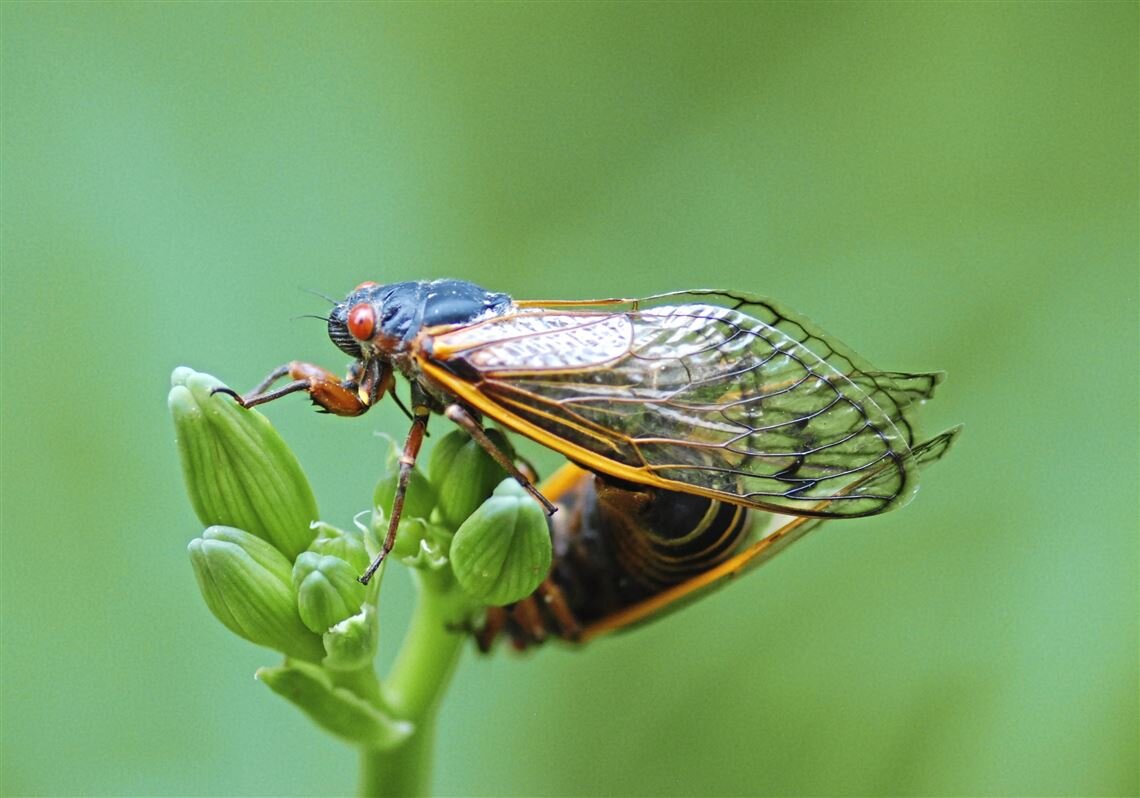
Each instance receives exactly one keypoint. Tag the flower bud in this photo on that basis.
(410, 534)
(502, 552)
(247, 585)
(464, 475)
(327, 590)
(351, 644)
(238, 470)
(419, 544)
(347, 545)
(335, 709)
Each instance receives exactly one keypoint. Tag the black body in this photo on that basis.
(617, 544)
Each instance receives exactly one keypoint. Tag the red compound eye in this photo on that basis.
(365, 284)
(361, 321)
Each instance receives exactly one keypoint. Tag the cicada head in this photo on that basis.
(372, 322)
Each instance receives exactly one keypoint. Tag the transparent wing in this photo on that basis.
(708, 392)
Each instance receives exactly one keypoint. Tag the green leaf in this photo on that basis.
(335, 709)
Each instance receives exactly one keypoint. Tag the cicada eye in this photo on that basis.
(362, 321)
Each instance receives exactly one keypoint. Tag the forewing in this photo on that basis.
(739, 400)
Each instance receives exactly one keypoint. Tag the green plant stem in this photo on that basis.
(401, 771)
(415, 686)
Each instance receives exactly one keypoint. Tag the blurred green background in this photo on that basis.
(942, 186)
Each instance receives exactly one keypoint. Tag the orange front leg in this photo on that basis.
(329, 392)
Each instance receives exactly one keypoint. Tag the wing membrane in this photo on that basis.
(708, 392)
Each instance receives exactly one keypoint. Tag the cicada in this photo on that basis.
(711, 394)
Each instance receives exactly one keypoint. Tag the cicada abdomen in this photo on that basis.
(623, 553)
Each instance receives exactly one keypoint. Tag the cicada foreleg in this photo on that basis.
(329, 392)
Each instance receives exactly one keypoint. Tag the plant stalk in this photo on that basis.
(415, 686)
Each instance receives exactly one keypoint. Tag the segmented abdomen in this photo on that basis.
(615, 545)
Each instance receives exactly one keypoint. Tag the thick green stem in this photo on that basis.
(415, 686)
(430, 650)
(401, 771)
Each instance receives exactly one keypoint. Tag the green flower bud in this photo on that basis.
(502, 552)
(335, 709)
(409, 534)
(464, 474)
(247, 584)
(347, 545)
(327, 590)
(351, 644)
(416, 538)
(238, 470)
(419, 544)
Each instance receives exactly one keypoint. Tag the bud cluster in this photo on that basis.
(471, 519)
(276, 576)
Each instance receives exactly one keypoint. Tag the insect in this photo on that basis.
(707, 393)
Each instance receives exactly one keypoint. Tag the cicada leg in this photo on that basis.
(420, 413)
(530, 620)
(407, 463)
(556, 604)
(526, 614)
(493, 623)
(464, 419)
(336, 396)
